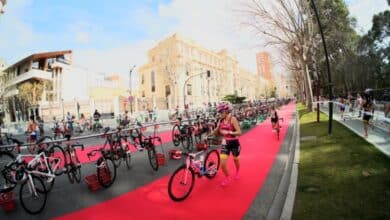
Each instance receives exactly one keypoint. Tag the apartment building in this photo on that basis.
(49, 85)
(264, 65)
(176, 72)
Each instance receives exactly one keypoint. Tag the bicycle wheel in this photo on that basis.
(47, 181)
(75, 167)
(188, 143)
(181, 183)
(43, 145)
(117, 154)
(33, 197)
(152, 157)
(106, 172)
(127, 156)
(57, 152)
(5, 158)
(211, 164)
(176, 135)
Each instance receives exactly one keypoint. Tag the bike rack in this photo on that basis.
(134, 126)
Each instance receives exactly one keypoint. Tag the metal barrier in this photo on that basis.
(134, 126)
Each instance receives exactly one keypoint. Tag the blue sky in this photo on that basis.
(110, 37)
(52, 25)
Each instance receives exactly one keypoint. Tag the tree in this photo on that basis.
(29, 95)
(234, 99)
(374, 52)
(284, 25)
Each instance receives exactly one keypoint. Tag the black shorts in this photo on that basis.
(274, 120)
(366, 117)
(232, 146)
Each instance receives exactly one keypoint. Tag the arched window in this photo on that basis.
(152, 76)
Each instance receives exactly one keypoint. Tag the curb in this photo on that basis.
(290, 199)
(283, 202)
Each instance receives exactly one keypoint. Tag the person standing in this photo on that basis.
(367, 113)
(229, 128)
(32, 130)
(359, 104)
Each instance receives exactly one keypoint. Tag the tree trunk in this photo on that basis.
(308, 89)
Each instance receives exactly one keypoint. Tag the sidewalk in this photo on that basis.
(376, 136)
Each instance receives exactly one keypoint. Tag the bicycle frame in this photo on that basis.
(38, 159)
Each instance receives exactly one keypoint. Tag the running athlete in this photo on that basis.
(229, 128)
(274, 118)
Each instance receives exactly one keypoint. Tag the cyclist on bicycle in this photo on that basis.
(229, 128)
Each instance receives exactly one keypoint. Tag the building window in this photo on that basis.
(167, 90)
(142, 79)
(152, 76)
(143, 93)
(189, 89)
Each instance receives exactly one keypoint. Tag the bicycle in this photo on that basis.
(40, 170)
(105, 166)
(184, 176)
(141, 141)
(70, 163)
(119, 151)
(182, 134)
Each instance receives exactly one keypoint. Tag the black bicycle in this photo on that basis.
(146, 142)
(182, 133)
(119, 147)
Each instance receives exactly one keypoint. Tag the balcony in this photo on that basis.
(31, 74)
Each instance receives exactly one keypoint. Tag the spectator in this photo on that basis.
(32, 129)
(359, 104)
(367, 113)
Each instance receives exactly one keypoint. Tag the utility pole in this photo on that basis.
(130, 88)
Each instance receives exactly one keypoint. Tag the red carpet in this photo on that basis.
(208, 199)
(166, 137)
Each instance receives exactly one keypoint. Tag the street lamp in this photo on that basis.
(130, 88)
(328, 68)
(185, 83)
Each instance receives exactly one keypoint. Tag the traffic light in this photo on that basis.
(208, 73)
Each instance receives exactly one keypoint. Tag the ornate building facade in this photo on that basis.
(176, 72)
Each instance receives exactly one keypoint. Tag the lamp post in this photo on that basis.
(185, 83)
(130, 88)
(328, 68)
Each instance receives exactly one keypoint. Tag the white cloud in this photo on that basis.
(363, 10)
(216, 25)
(82, 37)
(22, 34)
(117, 60)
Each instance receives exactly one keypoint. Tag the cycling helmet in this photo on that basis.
(224, 106)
